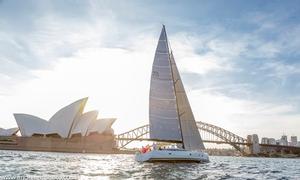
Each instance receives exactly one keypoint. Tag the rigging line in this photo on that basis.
(182, 113)
(176, 81)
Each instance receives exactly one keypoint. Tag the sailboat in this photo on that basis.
(170, 114)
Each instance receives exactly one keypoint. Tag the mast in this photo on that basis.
(171, 55)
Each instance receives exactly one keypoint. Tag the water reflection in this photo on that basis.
(86, 166)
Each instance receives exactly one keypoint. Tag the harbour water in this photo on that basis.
(45, 165)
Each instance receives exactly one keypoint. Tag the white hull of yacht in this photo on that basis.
(172, 155)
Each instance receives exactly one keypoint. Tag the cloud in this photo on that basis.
(199, 55)
(280, 70)
(244, 117)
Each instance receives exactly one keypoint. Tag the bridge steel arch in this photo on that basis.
(227, 136)
(141, 133)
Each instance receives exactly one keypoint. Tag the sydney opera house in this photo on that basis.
(69, 130)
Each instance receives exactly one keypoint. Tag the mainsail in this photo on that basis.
(171, 117)
(163, 115)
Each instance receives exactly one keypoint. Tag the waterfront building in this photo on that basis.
(271, 141)
(249, 139)
(67, 122)
(294, 140)
(264, 140)
(283, 141)
(69, 130)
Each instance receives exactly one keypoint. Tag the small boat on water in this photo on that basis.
(170, 114)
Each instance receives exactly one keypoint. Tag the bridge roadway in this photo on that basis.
(205, 141)
(220, 135)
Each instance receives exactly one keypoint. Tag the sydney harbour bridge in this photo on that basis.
(210, 134)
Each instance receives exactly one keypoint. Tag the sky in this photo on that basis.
(239, 60)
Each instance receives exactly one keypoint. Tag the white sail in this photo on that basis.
(163, 115)
(171, 117)
(190, 134)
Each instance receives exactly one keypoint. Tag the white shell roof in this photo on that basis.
(60, 123)
(66, 122)
(30, 125)
(100, 125)
(63, 120)
(8, 132)
(84, 122)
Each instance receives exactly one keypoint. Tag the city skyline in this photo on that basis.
(239, 68)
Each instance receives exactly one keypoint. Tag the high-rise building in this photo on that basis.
(264, 140)
(271, 141)
(283, 140)
(294, 140)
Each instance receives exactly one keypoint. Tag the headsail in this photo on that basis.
(163, 115)
(190, 134)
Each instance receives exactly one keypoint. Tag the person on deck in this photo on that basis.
(148, 148)
(154, 146)
(143, 150)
